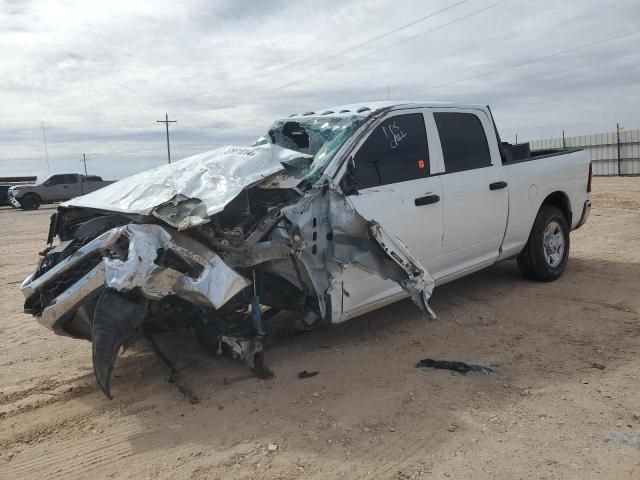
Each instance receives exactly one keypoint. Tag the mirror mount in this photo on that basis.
(349, 182)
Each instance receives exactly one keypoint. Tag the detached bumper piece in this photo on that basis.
(116, 323)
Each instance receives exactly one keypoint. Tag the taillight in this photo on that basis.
(589, 181)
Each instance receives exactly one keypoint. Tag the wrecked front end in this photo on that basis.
(211, 250)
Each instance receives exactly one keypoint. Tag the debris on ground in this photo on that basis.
(599, 366)
(305, 374)
(460, 367)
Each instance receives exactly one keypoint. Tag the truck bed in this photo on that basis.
(521, 152)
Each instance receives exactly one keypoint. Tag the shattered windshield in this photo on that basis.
(319, 136)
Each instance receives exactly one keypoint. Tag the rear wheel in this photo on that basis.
(544, 257)
(30, 201)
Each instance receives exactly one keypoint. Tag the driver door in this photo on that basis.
(396, 188)
(52, 190)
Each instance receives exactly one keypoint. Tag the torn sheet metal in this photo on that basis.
(71, 298)
(192, 272)
(206, 279)
(333, 234)
(214, 178)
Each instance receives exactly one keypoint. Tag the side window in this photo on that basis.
(69, 179)
(464, 143)
(396, 151)
(55, 180)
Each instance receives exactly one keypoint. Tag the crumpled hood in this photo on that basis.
(207, 182)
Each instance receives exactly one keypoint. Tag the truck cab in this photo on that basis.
(436, 177)
(60, 187)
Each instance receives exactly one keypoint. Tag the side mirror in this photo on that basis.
(349, 182)
(47, 183)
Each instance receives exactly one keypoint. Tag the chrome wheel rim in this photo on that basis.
(553, 244)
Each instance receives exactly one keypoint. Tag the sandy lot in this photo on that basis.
(369, 413)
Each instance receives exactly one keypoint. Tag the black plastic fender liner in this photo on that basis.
(116, 323)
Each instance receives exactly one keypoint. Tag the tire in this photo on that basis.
(544, 257)
(30, 201)
(209, 339)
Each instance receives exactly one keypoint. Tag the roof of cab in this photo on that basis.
(367, 108)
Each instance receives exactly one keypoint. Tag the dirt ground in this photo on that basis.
(566, 403)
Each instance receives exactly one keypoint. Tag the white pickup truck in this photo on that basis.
(439, 178)
(331, 214)
(56, 188)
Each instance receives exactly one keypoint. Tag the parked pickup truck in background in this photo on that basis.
(56, 188)
(329, 215)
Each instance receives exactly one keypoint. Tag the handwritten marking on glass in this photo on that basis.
(393, 133)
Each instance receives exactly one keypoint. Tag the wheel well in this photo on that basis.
(30, 195)
(560, 201)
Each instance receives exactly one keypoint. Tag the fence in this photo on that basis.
(17, 179)
(611, 153)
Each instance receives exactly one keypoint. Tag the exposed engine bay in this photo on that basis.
(218, 243)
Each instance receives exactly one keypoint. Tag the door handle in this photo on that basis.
(497, 185)
(428, 200)
(65, 186)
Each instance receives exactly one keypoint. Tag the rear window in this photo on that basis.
(464, 143)
(396, 151)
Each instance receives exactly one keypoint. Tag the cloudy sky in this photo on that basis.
(100, 73)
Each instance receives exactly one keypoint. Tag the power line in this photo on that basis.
(361, 44)
(413, 37)
(528, 62)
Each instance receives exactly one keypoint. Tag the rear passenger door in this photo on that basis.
(71, 187)
(396, 187)
(475, 190)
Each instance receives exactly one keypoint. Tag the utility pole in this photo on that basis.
(388, 91)
(563, 142)
(166, 122)
(84, 160)
(516, 138)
